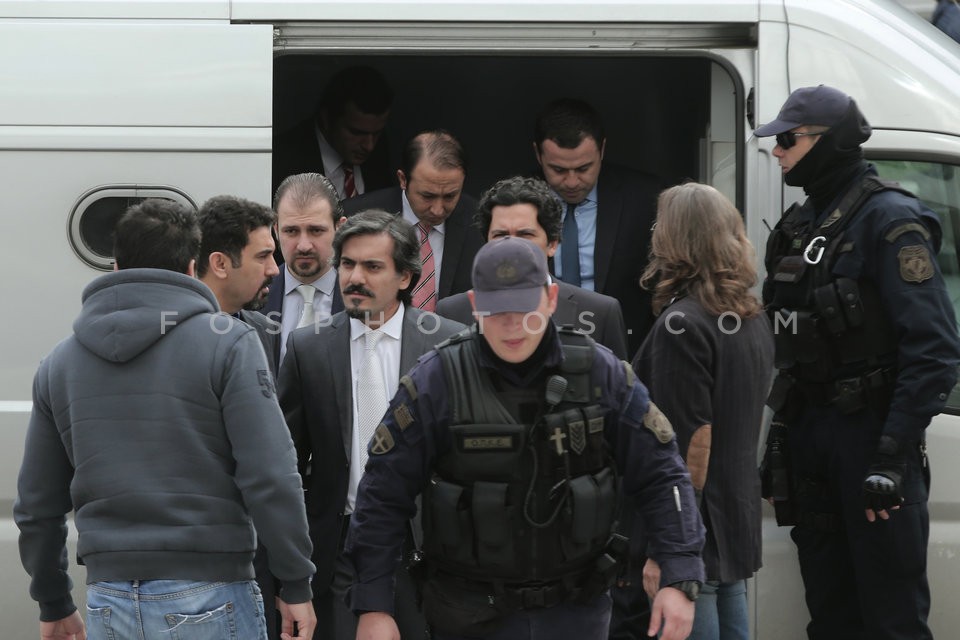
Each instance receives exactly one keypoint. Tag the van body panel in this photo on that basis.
(107, 9)
(135, 74)
(506, 11)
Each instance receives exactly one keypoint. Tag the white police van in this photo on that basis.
(103, 103)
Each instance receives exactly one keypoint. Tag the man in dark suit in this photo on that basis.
(430, 196)
(236, 263)
(305, 291)
(332, 405)
(526, 208)
(610, 211)
(341, 139)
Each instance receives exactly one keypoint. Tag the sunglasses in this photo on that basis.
(789, 138)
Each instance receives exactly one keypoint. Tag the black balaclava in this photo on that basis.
(833, 161)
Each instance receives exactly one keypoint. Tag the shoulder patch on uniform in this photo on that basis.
(915, 263)
(266, 383)
(631, 376)
(895, 233)
(382, 440)
(403, 417)
(658, 423)
(407, 381)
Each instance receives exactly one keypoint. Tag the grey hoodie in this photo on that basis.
(157, 423)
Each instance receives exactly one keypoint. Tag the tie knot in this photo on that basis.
(307, 291)
(347, 169)
(371, 338)
(424, 230)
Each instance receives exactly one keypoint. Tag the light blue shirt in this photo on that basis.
(586, 215)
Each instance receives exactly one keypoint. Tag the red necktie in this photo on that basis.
(425, 295)
(349, 187)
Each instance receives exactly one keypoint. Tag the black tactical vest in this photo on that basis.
(826, 327)
(515, 502)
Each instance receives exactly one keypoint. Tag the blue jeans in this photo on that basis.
(721, 612)
(175, 610)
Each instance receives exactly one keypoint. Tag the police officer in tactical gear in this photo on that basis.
(867, 352)
(516, 433)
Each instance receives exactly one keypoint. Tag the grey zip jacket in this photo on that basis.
(157, 424)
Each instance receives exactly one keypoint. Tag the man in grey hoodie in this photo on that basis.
(151, 422)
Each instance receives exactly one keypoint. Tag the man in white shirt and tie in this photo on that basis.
(334, 385)
(341, 139)
(305, 291)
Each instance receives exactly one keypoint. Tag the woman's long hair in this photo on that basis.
(700, 249)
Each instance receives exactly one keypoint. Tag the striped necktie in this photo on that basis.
(425, 295)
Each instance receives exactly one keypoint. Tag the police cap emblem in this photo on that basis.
(506, 272)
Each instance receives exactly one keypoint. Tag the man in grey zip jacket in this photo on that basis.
(152, 423)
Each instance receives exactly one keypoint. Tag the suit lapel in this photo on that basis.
(609, 210)
(337, 305)
(567, 308)
(341, 371)
(413, 342)
(275, 297)
(452, 242)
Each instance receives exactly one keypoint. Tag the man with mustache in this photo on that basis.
(305, 291)
(236, 263)
(334, 385)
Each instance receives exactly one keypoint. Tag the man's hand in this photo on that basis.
(882, 487)
(674, 612)
(651, 578)
(69, 628)
(376, 625)
(301, 613)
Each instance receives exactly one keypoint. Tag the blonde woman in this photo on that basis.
(708, 362)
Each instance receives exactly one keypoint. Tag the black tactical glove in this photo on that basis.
(883, 486)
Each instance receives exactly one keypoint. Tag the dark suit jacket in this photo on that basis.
(626, 209)
(297, 151)
(574, 306)
(461, 239)
(273, 308)
(316, 395)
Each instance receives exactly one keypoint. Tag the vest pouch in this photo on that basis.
(594, 501)
(460, 608)
(808, 343)
(446, 521)
(849, 294)
(493, 524)
(830, 309)
(790, 269)
(596, 456)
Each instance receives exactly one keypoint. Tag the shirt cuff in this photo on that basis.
(56, 609)
(376, 596)
(678, 569)
(296, 591)
(904, 427)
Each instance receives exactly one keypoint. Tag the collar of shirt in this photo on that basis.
(412, 218)
(332, 162)
(324, 284)
(392, 327)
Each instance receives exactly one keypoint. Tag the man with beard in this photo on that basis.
(867, 348)
(305, 291)
(334, 385)
(236, 263)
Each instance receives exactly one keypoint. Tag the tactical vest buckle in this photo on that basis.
(817, 245)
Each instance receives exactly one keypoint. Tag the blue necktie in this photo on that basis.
(570, 245)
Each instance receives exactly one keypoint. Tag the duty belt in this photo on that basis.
(849, 394)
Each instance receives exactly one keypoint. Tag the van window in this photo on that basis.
(97, 212)
(938, 185)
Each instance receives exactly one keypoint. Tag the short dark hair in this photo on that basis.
(438, 146)
(364, 86)
(157, 234)
(304, 188)
(226, 223)
(406, 245)
(520, 190)
(567, 122)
